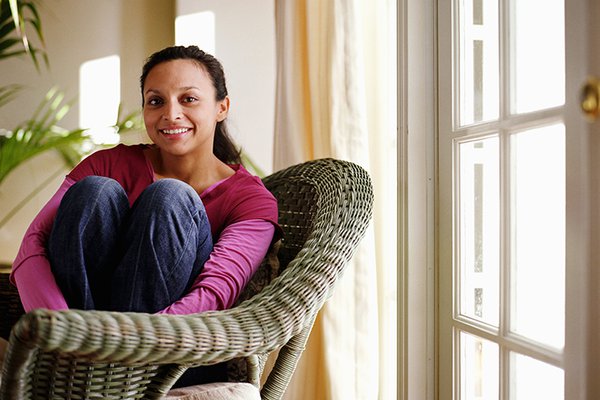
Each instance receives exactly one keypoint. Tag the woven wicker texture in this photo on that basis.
(324, 209)
(10, 304)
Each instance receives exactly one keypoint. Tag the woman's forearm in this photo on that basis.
(37, 286)
(235, 258)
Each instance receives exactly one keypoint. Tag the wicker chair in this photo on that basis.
(324, 209)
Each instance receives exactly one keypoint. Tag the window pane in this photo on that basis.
(479, 230)
(196, 29)
(478, 368)
(478, 61)
(99, 98)
(538, 234)
(534, 379)
(537, 53)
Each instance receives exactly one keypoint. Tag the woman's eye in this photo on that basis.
(154, 101)
(189, 99)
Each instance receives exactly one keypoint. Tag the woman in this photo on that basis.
(178, 226)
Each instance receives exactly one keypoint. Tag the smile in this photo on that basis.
(174, 131)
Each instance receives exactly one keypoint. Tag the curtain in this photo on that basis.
(334, 99)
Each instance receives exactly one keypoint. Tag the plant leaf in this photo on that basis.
(130, 122)
(14, 10)
(36, 21)
(8, 43)
(7, 93)
(40, 133)
(15, 16)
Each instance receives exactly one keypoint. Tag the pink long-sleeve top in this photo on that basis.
(242, 213)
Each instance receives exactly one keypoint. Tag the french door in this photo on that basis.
(513, 201)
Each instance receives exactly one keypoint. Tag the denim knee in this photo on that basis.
(82, 245)
(166, 193)
(93, 188)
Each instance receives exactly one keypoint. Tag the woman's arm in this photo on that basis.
(31, 271)
(37, 286)
(235, 258)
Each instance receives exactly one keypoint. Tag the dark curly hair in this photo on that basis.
(223, 146)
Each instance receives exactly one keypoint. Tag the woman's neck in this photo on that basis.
(198, 172)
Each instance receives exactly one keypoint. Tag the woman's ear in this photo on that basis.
(223, 109)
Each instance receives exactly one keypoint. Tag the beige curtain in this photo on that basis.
(333, 100)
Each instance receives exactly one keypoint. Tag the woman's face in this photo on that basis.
(180, 110)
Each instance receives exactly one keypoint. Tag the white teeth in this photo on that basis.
(174, 131)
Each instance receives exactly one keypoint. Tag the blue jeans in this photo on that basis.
(106, 255)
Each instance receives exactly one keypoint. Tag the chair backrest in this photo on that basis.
(324, 209)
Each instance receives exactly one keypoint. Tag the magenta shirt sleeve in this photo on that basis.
(235, 258)
(31, 271)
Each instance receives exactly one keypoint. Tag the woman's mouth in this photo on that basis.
(174, 132)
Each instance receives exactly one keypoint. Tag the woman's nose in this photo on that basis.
(172, 111)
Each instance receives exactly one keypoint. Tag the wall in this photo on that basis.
(245, 45)
(77, 31)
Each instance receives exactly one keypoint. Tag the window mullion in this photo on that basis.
(505, 197)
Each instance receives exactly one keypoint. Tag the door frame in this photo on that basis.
(583, 313)
(417, 123)
(578, 211)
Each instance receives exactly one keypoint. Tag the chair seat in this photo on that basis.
(215, 391)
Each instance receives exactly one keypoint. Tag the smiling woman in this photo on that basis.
(185, 106)
(176, 227)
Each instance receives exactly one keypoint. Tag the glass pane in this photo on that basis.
(100, 98)
(478, 218)
(534, 379)
(538, 55)
(478, 61)
(478, 368)
(538, 234)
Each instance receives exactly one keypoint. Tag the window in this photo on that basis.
(502, 199)
(196, 29)
(99, 98)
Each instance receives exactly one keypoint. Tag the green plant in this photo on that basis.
(16, 16)
(41, 132)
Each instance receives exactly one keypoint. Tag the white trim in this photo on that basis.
(581, 343)
(402, 212)
(513, 342)
(417, 110)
